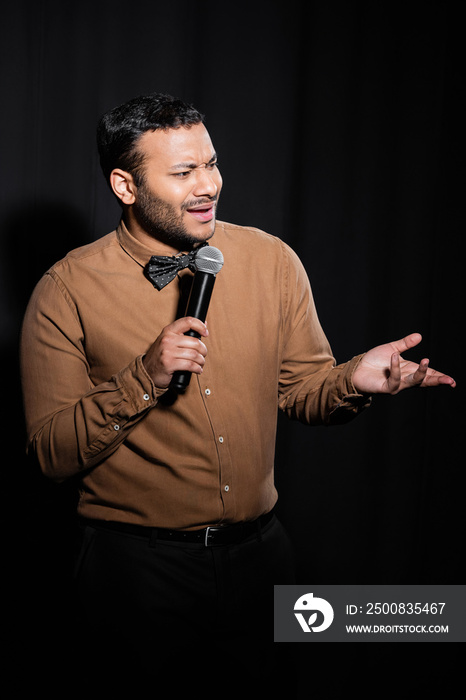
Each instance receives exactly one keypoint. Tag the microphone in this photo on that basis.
(207, 263)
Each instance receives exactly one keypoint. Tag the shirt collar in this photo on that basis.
(134, 248)
(137, 250)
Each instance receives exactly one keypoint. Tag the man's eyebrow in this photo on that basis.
(192, 166)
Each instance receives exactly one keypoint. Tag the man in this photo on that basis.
(176, 490)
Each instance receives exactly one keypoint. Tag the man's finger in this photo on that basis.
(409, 341)
(394, 377)
(188, 323)
(420, 374)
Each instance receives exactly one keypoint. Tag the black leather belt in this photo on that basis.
(210, 536)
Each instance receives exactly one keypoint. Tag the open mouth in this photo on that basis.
(202, 213)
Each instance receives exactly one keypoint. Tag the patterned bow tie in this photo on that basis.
(162, 269)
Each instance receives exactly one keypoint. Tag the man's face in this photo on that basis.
(177, 200)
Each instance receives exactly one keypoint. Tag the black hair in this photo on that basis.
(119, 129)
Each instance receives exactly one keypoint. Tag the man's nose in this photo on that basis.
(206, 183)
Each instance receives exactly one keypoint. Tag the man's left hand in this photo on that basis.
(382, 370)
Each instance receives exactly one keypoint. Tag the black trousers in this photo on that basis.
(172, 609)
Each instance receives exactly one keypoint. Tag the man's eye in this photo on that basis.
(183, 174)
(211, 166)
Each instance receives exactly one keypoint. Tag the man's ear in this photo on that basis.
(122, 184)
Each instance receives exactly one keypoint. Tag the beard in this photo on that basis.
(163, 222)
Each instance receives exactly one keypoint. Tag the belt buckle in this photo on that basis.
(207, 535)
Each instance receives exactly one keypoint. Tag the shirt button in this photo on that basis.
(146, 397)
(220, 438)
(207, 392)
(227, 488)
(116, 427)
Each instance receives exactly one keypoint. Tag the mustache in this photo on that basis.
(199, 202)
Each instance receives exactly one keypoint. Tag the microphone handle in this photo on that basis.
(198, 304)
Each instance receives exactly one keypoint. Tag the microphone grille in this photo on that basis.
(208, 259)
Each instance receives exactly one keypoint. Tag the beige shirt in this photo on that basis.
(91, 408)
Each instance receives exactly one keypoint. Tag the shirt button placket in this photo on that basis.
(221, 439)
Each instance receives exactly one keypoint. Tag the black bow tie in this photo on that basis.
(162, 269)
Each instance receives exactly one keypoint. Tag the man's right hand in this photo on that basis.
(174, 351)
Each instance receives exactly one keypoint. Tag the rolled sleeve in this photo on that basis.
(351, 403)
(71, 424)
(313, 388)
(138, 386)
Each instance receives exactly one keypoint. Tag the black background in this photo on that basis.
(338, 129)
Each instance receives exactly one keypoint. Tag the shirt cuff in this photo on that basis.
(138, 386)
(352, 402)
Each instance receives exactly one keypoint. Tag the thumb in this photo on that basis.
(409, 341)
